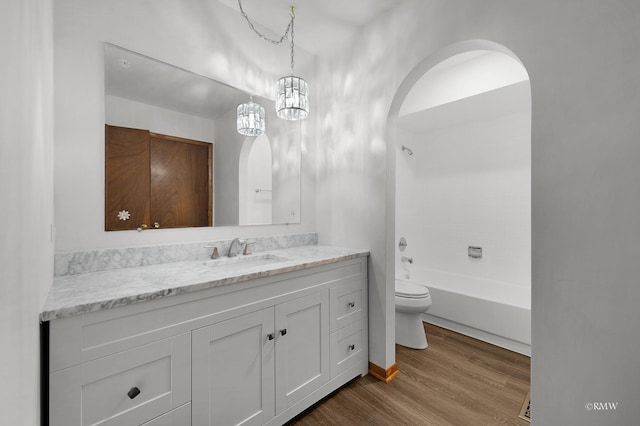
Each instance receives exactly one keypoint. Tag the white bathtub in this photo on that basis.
(493, 311)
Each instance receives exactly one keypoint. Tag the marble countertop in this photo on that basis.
(77, 294)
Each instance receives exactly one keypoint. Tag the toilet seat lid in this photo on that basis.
(407, 289)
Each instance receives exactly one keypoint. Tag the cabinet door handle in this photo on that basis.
(283, 331)
(352, 347)
(156, 225)
(351, 304)
(271, 336)
(133, 392)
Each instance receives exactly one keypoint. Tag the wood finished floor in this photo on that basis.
(456, 381)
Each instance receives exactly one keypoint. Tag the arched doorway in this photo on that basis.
(255, 182)
(460, 145)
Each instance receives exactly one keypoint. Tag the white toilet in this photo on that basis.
(412, 300)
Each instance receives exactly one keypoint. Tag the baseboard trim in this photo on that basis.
(386, 375)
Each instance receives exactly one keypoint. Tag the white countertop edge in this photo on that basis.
(84, 293)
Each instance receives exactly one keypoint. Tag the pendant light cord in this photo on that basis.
(285, 36)
(293, 16)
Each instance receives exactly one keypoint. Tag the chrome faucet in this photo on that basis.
(234, 247)
(406, 259)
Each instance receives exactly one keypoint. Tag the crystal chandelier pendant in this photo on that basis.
(292, 98)
(250, 121)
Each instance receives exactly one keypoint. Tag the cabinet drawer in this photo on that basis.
(348, 304)
(349, 347)
(128, 388)
(179, 417)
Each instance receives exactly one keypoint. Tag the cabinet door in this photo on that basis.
(233, 367)
(302, 348)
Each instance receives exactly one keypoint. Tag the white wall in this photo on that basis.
(582, 59)
(26, 191)
(200, 36)
(288, 157)
(255, 188)
(351, 164)
(287, 173)
(127, 113)
(468, 184)
(462, 76)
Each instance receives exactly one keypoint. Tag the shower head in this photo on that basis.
(409, 151)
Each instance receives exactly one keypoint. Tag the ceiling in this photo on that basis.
(142, 79)
(321, 26)
(431, 100)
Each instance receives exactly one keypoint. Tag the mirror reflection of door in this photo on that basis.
(156, 181)
(255, 181)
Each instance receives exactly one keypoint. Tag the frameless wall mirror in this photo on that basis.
(241, 180)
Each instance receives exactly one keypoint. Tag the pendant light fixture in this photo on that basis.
(250, 121)
(292, 92)
(292, 96)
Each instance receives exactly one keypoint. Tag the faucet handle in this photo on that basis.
(214, 254)
(247, 247)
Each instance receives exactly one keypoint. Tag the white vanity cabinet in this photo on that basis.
(250, 368)
(250, 353)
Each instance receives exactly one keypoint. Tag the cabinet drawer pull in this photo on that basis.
(271, 336)
(133, 392)
(351, 304)
(283, 331)
(352, 347)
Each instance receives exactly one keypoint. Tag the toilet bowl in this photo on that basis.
(412, 300)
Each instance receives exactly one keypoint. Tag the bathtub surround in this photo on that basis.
(469, 184)
(72, 263)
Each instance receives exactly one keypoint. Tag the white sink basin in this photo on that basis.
(240, 262)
